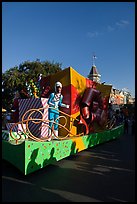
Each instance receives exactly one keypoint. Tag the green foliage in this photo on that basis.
(16, 77)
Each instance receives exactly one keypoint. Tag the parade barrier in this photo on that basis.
(30, 156)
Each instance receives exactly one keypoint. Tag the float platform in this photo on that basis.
(29, 156)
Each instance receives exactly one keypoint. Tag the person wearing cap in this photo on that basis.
(54, 102)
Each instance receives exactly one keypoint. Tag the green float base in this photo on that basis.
(29, 156)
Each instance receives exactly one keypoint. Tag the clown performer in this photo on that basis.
(55, 101)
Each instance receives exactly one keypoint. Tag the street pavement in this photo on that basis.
(104, 173)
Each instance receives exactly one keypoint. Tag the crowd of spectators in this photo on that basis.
(119, 118)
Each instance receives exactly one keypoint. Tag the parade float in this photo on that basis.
(26, 144)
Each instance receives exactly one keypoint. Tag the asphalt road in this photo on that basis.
(104, 173)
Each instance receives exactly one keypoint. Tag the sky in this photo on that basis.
(71, 33)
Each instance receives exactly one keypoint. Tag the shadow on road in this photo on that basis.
(104, 173)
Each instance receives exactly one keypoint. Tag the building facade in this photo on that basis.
(117, 97)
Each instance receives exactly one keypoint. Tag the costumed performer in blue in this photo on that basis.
(55, 101)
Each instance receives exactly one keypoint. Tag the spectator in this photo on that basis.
(126, 125)
(118, 117)
(133, 126)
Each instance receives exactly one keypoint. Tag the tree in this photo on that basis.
(17, 76)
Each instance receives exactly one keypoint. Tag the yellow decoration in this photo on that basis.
(78, 81)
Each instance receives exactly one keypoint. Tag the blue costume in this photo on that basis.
(55, 100)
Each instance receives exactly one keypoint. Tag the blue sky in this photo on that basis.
(70, 33)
